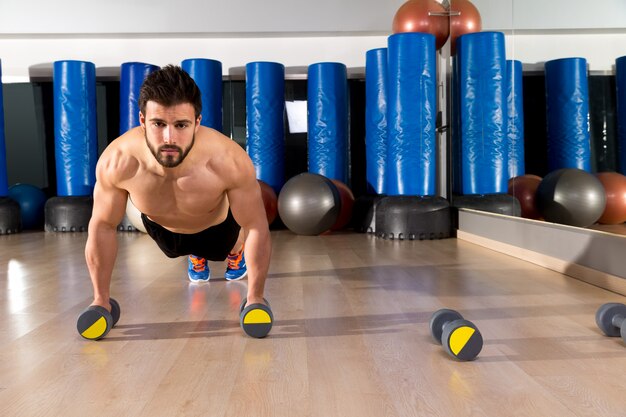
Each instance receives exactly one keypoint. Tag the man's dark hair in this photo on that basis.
(170, 86)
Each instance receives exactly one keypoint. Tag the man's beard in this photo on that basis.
(167, 160)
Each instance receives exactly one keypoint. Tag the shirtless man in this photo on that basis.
(196, 189)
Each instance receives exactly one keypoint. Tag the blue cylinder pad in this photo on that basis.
(207, 73)
(567, 114)
(376, 119)
(4, 182)
(411, 114)
(75, 130)
(265, 112)
(515, 114)
(480, 148)
(132, 75)
(620, 82)
(327, 104)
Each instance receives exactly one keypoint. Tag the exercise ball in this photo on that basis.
(347, 203)
(309, 204)
(524, 188)
(270, 201)
(571, 196)
(464, 18)
(32, 201)
(614, 185)
(413, 16)
(134, 216)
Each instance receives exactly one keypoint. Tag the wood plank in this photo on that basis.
(351, 335)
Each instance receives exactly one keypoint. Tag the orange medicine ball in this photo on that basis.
(425, 16)
(524, 188)
(615, 187)
(347, 203)
(270, 201)
(464, 18)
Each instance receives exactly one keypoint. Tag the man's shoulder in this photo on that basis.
(205, 132)
(227, 159)
(120, 159)
(216, 146)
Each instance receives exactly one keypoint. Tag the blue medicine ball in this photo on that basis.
(32, 201)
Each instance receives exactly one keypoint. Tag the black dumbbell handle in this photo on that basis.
(617, 320)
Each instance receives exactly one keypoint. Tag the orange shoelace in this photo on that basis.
(198, 263)
(234, 259)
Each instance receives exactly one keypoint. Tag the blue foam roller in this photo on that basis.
(515, 114)
(376, 119)
(620, 82)
(411, 114)
(4, 182)
(480, 141)
(265, 112)
(132, 75)
(75, 129)
(567, 114)
(328, 120)
(207, 73)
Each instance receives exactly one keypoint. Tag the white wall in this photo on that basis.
(551, 15)
(32, 57)
(109, 53)
(283, 16)
(569, 14)
(600, 49)
(195, 16)
(296, 33)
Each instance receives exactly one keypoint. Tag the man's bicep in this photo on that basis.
(109, 203)
(246, 203)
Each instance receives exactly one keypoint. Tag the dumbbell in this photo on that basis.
(95, 321)
(611, 319)
(460, 338)
(256, 319)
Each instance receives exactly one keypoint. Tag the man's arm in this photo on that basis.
(109, 207)
(246, 204)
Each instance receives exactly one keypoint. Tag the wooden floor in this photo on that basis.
(351, 337)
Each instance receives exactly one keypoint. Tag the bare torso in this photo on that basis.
(186, 199)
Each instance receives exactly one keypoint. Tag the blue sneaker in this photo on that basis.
(197, 269)
(236, 268)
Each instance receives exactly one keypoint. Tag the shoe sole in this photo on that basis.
(198, 280)
(238, 278)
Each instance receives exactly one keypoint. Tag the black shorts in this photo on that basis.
(214, 243)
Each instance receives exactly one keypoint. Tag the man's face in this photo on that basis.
(169, 131)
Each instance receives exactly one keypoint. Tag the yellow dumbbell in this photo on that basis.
(256, 319)
(95, 321)
(460, 338)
